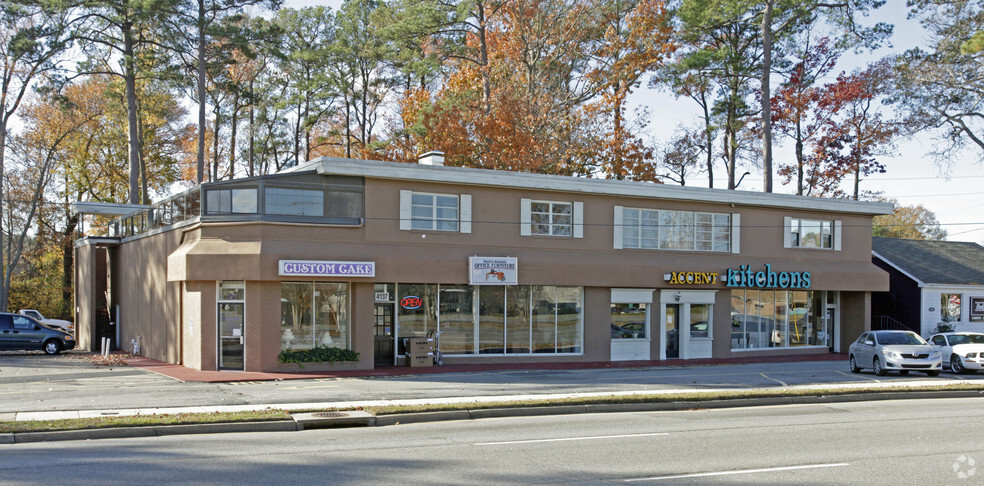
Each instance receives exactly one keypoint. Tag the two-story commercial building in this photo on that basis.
(505, 266)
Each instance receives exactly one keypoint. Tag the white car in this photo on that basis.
(57, 323)
(901, 351)
(963, 352)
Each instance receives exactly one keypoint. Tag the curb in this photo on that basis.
(298, 423)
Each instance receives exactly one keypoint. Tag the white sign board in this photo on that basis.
(492, 271)
(311, 268)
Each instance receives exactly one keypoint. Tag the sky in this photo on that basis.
(953, 193)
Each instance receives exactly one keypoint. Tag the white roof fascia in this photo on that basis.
(107, 209)
(919, 283)
(525, 180)
(968, 287)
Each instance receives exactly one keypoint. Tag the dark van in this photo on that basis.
(19, 332)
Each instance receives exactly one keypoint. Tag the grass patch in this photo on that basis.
(660, 398)
(143, 421)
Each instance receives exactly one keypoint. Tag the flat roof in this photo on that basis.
(107, 209)
(525, 180)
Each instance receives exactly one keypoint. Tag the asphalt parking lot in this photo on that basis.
(31, 381)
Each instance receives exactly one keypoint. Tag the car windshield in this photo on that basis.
(966, 339)
(900, 338)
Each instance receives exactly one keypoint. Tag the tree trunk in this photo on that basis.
(767, 95)
(708, 143)
(200, 161)
(232, 135)
(68, 263)
(133, 137)
(215, 145)
(5, 288)
(144, 195)
(252, 130)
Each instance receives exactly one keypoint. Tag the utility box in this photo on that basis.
(420, 352)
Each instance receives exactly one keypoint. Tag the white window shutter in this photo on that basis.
(735, 233)
(617, 228)
(464, 213)
(787, 229)
(524, 217)
(406, 214)
(579, 220)
(837, 235)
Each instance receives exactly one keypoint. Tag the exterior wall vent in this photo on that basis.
(434, 157)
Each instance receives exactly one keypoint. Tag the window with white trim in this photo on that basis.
(661, 229)
(438, 212)
(552, 218)
(812, 233)
(424, 211)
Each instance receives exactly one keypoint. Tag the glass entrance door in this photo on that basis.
(672, 331)
(231, 336)
(828, 324)
(383, 330)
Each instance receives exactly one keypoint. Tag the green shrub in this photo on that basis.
(318, 354)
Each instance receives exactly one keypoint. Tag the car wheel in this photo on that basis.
(854, 365)
(904, 372)
(956, 366)
(933, 373)
(876, 367)
(52, 347)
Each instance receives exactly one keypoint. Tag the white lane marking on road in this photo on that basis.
(743, 471)
(773, 379)
(569, 438)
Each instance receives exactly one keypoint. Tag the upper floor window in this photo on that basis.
(812, 233)
(295, 201)
(233, 200)
(435, 212)
(552, 218)
(662, 229)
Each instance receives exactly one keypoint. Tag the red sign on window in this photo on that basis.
(411, 302)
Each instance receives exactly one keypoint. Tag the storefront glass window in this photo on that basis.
(507, 319)
(950, 307)
(797, 318)
(628, 321)
(544, 319)
(518, 319)
(417, 314)
(700, 320)
(331, 314)
(314, 314)
(491, 319)
(770, 318)
(568, 319)
(457, 320)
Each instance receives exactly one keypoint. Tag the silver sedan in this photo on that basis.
(902, 351)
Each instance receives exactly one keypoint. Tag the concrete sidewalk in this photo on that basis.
(183, 373)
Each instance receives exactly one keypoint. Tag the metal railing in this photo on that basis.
(888, 323)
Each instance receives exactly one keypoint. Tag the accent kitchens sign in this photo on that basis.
(315, 268)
